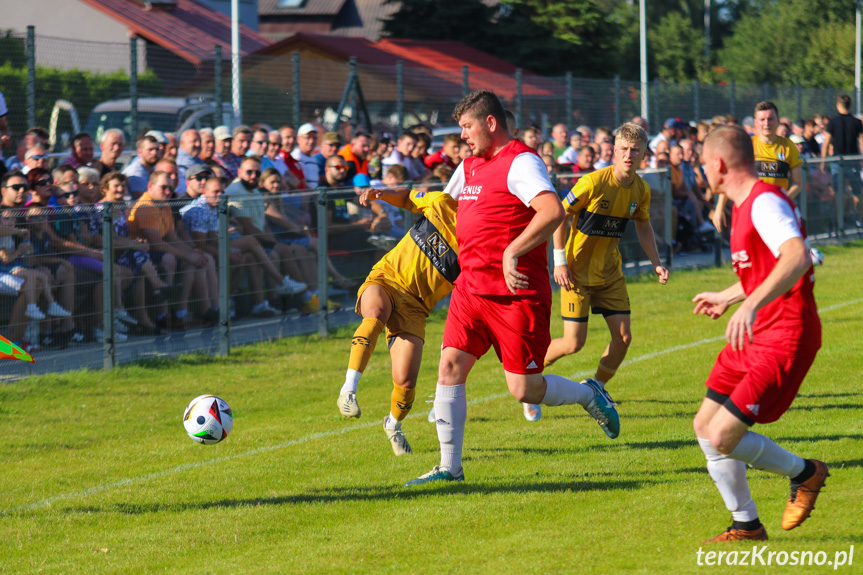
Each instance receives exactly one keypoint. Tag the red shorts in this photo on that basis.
(516, 326)
(761, 381)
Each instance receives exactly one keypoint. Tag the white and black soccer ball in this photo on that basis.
(817, 256)
(208, 419)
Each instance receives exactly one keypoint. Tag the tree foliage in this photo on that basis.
(753, 41)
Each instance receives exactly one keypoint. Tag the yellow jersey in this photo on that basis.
(775, 161)
(601, 207)
(425, 262)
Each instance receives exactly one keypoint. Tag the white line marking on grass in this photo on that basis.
(324, 434)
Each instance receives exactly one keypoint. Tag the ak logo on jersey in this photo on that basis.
(433, 246)
(592, 224)
(437, 243)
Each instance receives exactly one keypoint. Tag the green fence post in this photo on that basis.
(465, 80)
(733, 96)
(616, 99)
(697, 88)
(108, 341)
(295, 62)
(840, 199)
(400, 95)
(224, 283)
(518, 99)
(31, 76)
(217, 76)
(133, 85)
(799, 101)
(323, 315)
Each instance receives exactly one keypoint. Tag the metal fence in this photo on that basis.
(138, 86)
(211, 291)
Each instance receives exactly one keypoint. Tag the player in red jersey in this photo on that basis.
(773, 338)
(507, 210)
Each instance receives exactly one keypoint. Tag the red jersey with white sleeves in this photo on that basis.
(494, 196)
(759, 225)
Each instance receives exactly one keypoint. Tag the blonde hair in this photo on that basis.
(632, 133)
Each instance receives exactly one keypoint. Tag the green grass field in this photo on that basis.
(98, 475)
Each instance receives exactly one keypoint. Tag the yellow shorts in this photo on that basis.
(606, 299)
(409, 315)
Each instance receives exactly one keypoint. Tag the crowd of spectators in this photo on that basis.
(165, 218)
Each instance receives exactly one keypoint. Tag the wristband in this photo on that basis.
(559, 257)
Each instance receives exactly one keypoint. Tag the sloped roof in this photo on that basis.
(434, 65)
(190, 30)
(308, 8)
(365, 19)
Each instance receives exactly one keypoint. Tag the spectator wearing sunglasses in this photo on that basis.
(41, 188)
(34, 158)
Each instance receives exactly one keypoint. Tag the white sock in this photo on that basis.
(729, 475)
(562, 391)
(352, 378)
(450, 407)
(392, 423)
(600, 382)
(762, 453)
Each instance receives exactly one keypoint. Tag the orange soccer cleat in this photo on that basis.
(732, 534)
(803, 496)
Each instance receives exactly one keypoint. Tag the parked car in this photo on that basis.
(164, 114)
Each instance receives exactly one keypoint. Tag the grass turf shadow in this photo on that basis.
(380, 493)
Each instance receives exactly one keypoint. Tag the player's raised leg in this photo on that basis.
(554, 390)
(406, 353)
(375, 306)
(450, 407)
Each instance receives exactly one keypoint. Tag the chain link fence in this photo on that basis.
(139, 86)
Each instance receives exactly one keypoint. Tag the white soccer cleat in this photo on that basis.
(348, 405)
(532, 411)
(397, 439)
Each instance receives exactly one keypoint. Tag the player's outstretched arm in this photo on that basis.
(794, 261)
(549, 214)
(647, 239)
(397, 197)
(714, 304)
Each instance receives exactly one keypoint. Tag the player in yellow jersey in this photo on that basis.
(776, 158)
(589, 268)
(400, 292)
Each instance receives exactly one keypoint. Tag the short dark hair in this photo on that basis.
(766, 105)
(481, 103)
(845, 101)
(80, 136)
(62, 169)
(409, 136)
(426, 139)
(13, 174)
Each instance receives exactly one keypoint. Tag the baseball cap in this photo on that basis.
(159, 135)
(361, 181)
(797, 139)
(307, 129)
(331, 137)
(222, 133)
(198, 169)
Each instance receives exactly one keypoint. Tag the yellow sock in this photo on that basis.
(363, 343)
(604, 373)
(401, 401)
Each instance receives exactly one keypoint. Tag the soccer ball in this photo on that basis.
(817, 256)
(208, 419)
